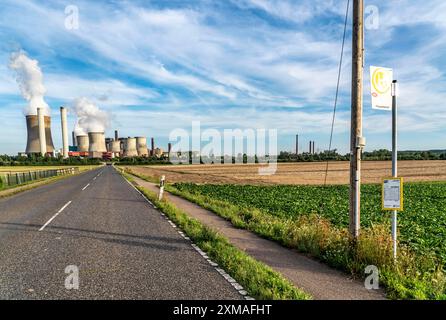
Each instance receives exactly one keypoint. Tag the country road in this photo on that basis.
(122, 247)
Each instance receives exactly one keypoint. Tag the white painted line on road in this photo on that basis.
(94, 178)
(223, 273)
(85, 187)
(52, 218)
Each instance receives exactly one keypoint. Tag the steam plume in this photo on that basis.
(30, 80)
(89, 117)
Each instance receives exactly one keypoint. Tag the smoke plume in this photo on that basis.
(89, 117)
(30, 80)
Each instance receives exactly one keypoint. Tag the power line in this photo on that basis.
(337, 90)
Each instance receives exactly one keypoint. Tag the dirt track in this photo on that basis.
(296, 173)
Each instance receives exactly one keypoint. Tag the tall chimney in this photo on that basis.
(116, 135)
(42, 136)
(297, 144)
(169, 149)
(74, 138)
(310, 146)
(153, 146)
(313, 148)
(63, 118)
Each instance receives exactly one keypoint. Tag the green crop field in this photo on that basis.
(422, 224)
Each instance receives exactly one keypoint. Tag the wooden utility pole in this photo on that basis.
(356, 140)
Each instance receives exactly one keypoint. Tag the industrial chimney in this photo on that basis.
(152, 153)
(130, 149)
(42, 139)
(141, 146)
(297, 144)
(74, 138)
(116, 135)
(63, 119)
(33, 142)
(169, 149)
(82, 143)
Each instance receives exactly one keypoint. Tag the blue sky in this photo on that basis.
(159, 65)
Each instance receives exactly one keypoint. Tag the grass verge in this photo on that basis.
(260, 281)
(412, 276)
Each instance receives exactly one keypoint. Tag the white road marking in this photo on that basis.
(223, 273)
(94, 178)
(52, 218)
(85, 187)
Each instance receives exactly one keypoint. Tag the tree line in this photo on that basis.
(284, 156)
(37, 160)
(376, 155)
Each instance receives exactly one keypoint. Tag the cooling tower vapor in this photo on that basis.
(89, 117)
(30, 80)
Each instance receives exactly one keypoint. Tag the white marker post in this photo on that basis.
(162, 181)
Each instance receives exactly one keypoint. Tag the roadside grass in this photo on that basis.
(259, 280)
(412, 276)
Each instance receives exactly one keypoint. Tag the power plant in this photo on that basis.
(91, 144)
(88, 136)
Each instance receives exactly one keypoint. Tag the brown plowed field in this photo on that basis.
(295, 173)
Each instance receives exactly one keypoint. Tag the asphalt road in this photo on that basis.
(103, 228)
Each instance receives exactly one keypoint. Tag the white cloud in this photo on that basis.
(199, 61)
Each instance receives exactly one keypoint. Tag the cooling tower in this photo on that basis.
(141, 146)
(116, 146)
(96, 142)
(33, 143)
(158, 152)
(130, 149)
(123, 141)
(82, 143)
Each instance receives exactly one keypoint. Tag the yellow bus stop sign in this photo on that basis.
(380, 84)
